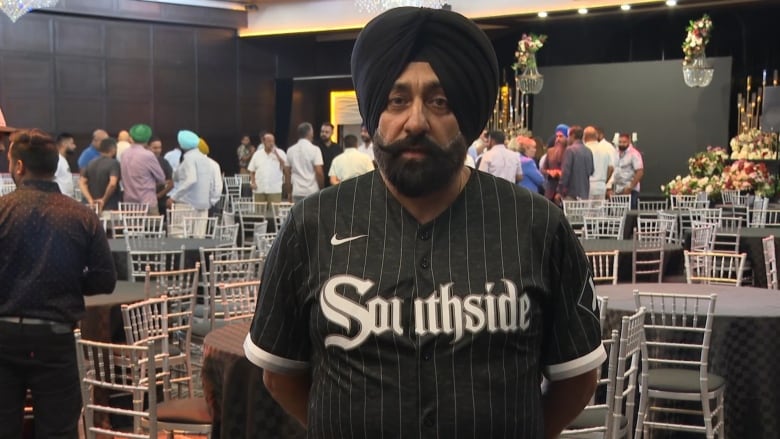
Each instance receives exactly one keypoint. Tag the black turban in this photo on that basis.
(459, 53)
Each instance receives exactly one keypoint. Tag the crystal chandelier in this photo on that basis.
(698, 73)
(374, 6)
(14, 9)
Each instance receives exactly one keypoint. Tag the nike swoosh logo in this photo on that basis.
(334, 240)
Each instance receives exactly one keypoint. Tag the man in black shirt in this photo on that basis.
(54, 251)
(99, 181)
(329, 149)
(426, 300)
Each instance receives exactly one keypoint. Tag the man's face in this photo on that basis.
(156, 147)
(268, 141)
(623, 143)
(98, 137)
(560, 138)
(364, 136)
(68, 143)
(245, 140)
(419, 147)
(325, 132)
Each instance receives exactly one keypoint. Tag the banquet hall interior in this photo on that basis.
(705, 225)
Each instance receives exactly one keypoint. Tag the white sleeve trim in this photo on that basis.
(274, 363)
(577, 366)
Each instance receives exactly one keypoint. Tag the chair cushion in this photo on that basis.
(201, 327)
(681, 380)
(589, 418)
(592, 418)
(184, 411)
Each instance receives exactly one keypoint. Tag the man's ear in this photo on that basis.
(19, 168)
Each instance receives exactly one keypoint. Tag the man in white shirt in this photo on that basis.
(367, 145)
(267, 174)
(305, 163)
(173, 157)
(350, 163)
(499, 161)
(193, 177)
(63, 176)
(603, 163)
(123, 142)
(217, 180)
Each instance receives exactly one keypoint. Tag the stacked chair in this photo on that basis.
(141, 368)
(770, 261)
(612, 415)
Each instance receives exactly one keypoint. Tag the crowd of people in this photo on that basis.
(306, 166)
(577, 164)
(132, 168)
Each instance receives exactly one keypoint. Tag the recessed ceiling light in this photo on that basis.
(542, 14)
(625, 7)
(671, 2)
(582, 11)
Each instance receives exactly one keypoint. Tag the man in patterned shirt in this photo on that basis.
(425, 299)
(54, 252)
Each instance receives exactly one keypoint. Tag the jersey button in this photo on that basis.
(425, 235)
(424, 263)
(429, 422)
(427, 355)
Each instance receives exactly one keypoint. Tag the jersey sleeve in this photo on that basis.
(572, 340)
(278, 338)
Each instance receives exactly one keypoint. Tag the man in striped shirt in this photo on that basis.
(426, 299)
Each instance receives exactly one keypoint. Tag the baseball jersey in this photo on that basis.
(426, 330)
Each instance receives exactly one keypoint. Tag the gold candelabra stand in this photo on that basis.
(749, 105)
(511, 111)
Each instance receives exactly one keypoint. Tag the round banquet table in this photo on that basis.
(233, 387)
(744, 348)
(673, 255)
(191, 251)
(98, 323)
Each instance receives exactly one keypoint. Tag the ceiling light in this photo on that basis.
(582, 11)
(671, 2)
(542, 14)
(625, 7)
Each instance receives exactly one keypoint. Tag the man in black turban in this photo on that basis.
(426, 299)
(464, 63)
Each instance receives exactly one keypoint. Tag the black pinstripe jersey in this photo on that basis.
(426, 330)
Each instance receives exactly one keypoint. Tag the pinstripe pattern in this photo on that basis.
(426, 363)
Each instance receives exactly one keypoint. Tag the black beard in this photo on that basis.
(419, 177)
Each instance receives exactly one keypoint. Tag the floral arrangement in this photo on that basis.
(754, 145)
(708, 163)
(690, 185)
(526, 46)
(746, 176)
(698, 36)
(709, 172)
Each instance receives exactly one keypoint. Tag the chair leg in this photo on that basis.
(640, 418)
(721, 416)
(707, 413)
